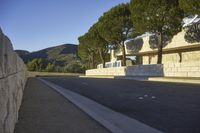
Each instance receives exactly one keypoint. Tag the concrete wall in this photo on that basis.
(136, 70)
(12, 81)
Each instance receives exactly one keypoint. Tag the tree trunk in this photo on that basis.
(92, 59)
(160, 48)
(102, 58)
(123, 55)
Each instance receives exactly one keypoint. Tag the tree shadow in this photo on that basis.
(192, 34)
(154, 41)
(134, 46)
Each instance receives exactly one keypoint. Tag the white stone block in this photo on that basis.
(194, 69)
(171, 64)
(181, 74)
(193, 74)
(184, 69)
(177, 65)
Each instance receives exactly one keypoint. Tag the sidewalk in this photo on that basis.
(43, 110)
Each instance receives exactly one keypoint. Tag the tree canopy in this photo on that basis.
(161, 17)
(190, 6)
(115, 27)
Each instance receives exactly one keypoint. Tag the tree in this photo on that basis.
(99, 43)
(36, 65)
(161, 17)
(190, 6)
(50, 67)
(86, 51)
(115, 27)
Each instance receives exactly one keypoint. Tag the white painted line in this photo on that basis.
(113, 121)
(84, 83)
(140, 98)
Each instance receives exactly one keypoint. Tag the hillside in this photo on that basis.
(59, 54)
(22, 53)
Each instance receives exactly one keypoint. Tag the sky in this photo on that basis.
(36, 24)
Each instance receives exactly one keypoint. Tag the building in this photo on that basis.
(180, 57)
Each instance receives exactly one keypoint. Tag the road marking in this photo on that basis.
(84, 83)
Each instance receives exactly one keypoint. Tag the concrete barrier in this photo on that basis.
(12, 82)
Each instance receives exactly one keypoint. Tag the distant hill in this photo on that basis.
(58, 54)
(22, 53)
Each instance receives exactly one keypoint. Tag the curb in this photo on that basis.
(156, 79)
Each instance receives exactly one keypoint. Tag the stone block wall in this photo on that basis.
(115, 71)
(12, 82)
(183, 57)
(136, 70)
(184, 69)
(145, 70)
(186, 64)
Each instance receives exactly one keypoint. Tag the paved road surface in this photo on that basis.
(44, 110)
(169, 107)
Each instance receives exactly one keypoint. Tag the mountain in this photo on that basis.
(22, 53)
(58, 54)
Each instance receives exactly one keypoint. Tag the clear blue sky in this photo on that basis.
(36, 24)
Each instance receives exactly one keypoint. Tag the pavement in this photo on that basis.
(43, 110)
(167, 107)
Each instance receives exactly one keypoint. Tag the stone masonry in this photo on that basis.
(12, 82)
(136, 70)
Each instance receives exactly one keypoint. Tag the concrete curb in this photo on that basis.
(156, 79)
(113, 121)
(108, 77)
(175, 80)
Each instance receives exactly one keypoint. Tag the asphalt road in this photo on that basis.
(169, 107)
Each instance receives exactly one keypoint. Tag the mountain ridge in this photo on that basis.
(53, 54)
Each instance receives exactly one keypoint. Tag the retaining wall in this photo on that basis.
(115, 71)
(136, 70)
(185, 69)
(12, 82)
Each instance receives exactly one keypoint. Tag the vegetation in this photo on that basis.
(87, 52)
(41, 65)
(115, 27)
(161, 17)
(190, 6)
(61, 58)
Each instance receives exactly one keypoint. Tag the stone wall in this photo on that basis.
(136, 70)
(183, 57)
(186, 64)
(115, 71)
(184, 69)
(12, 82)
(145, 70)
